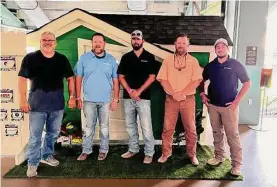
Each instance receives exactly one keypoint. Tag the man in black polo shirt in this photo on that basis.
(137, 71)
(222, 102)
(46, 69)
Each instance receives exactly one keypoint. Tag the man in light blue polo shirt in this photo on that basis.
(96, 71)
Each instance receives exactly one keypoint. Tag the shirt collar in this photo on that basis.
(186, 55)
(93, 55)
(143, 51)
(216, 61)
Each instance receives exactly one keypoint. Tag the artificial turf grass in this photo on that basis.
(115, 167)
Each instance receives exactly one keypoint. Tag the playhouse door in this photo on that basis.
(117, 119)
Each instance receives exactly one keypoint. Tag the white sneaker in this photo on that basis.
(102, 156)
(51, 161)
(32, 171)
(215, 162)
(128, 154)
(147, 159)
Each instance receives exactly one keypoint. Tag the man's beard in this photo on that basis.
(181, 52)
(47, 48)
(222, 56)
(137, 47)
(99, 51)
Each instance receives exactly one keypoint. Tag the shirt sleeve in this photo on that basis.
(242, 73)
(153, 69)
(197, 71)
(115, 67)
(68, 72)
(122, 66)
(79, 69)
(25, 69)
(205, 73)
(162, 75)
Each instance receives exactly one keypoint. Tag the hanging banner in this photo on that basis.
(11, 130)
(6, 96)
(266, 77)
(17, 115)
(8, 63)
(3, 115)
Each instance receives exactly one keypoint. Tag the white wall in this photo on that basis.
(13, 44)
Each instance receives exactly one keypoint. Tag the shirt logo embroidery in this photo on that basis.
(144, 60)
(227, 68)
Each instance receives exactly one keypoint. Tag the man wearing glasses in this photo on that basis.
(180, 75)
(137, 71)
(46, 69)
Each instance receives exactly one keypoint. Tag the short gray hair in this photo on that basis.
(48, 32)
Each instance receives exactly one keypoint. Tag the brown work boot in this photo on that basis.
(82, 157)
(235, 171)
(215, 161)
(128, 154)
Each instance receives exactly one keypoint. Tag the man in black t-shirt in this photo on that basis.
(46, 69)
(137, 71)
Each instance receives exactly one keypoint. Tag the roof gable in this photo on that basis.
(202, 30)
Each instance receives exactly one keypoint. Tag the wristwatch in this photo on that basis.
(71, 97)
(116, 100)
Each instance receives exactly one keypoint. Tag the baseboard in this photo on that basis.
(7, 156)
(22, 156)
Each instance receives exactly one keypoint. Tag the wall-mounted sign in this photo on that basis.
(251, 55)
(17, 115)
(3, 114)
(6, 96)
(11, 130)
(8, 63)
(266, 77)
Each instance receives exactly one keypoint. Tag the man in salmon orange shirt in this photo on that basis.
(180, 75)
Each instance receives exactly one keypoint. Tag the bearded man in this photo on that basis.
(137, 71)
(96, 73)
(180, 75)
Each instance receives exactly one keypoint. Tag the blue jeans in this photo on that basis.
(142, 108)
(92, 111)
(53, 121)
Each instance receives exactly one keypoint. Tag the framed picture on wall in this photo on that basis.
(8, 63)
(6, 96)
(3, 114)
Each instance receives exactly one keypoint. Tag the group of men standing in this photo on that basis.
(97, 74)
